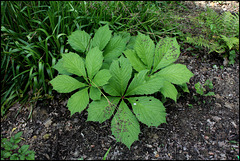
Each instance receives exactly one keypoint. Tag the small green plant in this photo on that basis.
(200, 89)
(11, 150)
(190, 105)
(119, 87)
(106, 154)
(219, 33)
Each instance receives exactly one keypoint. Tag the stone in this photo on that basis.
(228, 105)
(218, 105)
(47, 123)
(216, 118)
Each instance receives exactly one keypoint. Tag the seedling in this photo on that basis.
(12, 151)
(200, 89)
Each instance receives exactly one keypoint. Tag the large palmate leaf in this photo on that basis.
(125, 127)
(148, 110)
(169, 90)
(73, 63)
(101, 78)
(114, 48)
(175, 73)
(66, 84)
(78, 101)
(102, 37)
(135, 61)
(94, 60)
(144, 47)
(103, 109)
(140, 86)
(79, 40)
(167, 51)
(121, 71)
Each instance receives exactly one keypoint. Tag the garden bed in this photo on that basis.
(198, 127)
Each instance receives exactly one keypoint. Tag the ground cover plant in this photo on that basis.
(10, 150)
(127, 90)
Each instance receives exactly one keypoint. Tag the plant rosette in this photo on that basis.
(117, 91)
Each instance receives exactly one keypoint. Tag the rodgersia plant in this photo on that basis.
(109, 86)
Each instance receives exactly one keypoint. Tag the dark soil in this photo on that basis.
(198, 127)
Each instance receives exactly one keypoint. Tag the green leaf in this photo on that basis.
(66, 84)
(14, 157)
(17, 140)
(131, 42)
(79, 40)
(101, 78)
(78, 101)
(102, 37)
(169, 90)
(73, 63)
(124, 125)
(31, 156)
(209, 94)
(106, 154)
(230, 41)
(15, 146)
(102, 110)
(94, 93)
(185, 87)
(59, 67)
(18, 135)
(94, 60)
(23, 149)
(209, 84)
(22, 157)
(148, 110)
(199, 88)
(12, 140)
(134, 60)
(140, 86)
(114, 48)
(176, 73)
(6, 154)
(144, 47)
(121, 71)
(167, 51)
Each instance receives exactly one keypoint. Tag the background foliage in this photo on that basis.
(34, 36)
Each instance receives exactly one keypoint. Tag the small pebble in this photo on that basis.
(149, 146)
(76, 154)
(216, 118)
